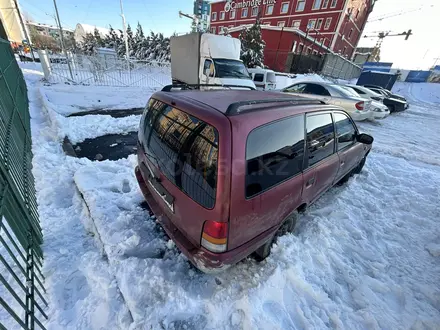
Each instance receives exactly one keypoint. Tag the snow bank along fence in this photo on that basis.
(21, 288)
(330, 65)
(104, 70)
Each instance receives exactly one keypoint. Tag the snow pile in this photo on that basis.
(422, 93)
(79, 128)
(81, 290)
(68, 99)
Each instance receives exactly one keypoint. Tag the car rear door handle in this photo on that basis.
(310, 182)
(342, 163)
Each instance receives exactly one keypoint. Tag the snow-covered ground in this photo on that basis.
(365, 256)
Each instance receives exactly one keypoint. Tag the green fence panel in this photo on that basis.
(21, 237)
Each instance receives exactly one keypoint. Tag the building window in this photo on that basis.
(319, 24)
(281, 24)
(308, 50)
(325, 4)
(213, 29)
(334, 3)
(220, 30)
(214, 16)
(232, 14)
(345, 50)
(311, 24)
(244, 12)
(357, 13)
(300, 5)
(269, 9)
(316, 4)
(349, 33)
(300, 48)
(296, 24)
(254, 11)
(284, 8)
(315, 52)
(328, 21)
(266, 23)
(222, 15)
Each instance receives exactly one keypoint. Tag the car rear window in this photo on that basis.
(184, 148)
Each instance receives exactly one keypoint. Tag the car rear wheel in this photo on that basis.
(286, 227)
(360, 166)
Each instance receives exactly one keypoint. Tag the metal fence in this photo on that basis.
(336, 66)
(330, 65)
(104, 71)
(21, 288)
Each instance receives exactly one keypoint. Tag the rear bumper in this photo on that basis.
(206, 261)
(362, 115)
(381, 114)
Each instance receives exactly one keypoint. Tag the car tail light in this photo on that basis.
(215, 236)
(360, 105)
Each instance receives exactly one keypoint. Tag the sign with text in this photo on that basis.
(234, 5)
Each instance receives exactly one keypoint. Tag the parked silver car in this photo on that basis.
(358, 108)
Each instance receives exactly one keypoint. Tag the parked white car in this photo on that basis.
(380, 110)
(366, 93)
(264, 79)
(358, 108)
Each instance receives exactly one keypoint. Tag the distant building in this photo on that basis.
(366, 54)
(10, 27)
(49, 30)
(202, 11)
(82, 29)
(299, 26)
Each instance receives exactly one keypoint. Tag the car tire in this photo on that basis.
(286, 227)
(360, 166)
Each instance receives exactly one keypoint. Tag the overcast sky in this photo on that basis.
(419, 52)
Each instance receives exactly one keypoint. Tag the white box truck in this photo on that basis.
(208, 59)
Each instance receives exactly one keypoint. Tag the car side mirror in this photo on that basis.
(364, 138)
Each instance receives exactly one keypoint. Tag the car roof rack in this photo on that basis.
(168, 88)
(234, 108)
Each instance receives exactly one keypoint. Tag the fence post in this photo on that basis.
(45, 63)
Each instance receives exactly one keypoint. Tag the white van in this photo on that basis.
(264, 79)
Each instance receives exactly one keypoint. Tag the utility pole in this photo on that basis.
(127, 52)
(62, 38)
(24, 29)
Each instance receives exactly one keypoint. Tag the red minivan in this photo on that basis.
(227, 171)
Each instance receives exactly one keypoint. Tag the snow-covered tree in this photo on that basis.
(89, 44)
(98, 40)
(138, 40)
(112, 39)
(252, 46)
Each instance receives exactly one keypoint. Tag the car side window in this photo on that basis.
(208, 65)
(298, 88)
(316, 90)
(259, 77)
(320, 137)
(359, 91)
(345, 131)
(274, 153)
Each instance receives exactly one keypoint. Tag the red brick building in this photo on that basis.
(307, 26)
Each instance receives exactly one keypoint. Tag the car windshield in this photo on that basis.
(225, 68)
(345, 91)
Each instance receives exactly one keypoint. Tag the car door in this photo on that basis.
(349, 150)
(321, 161)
